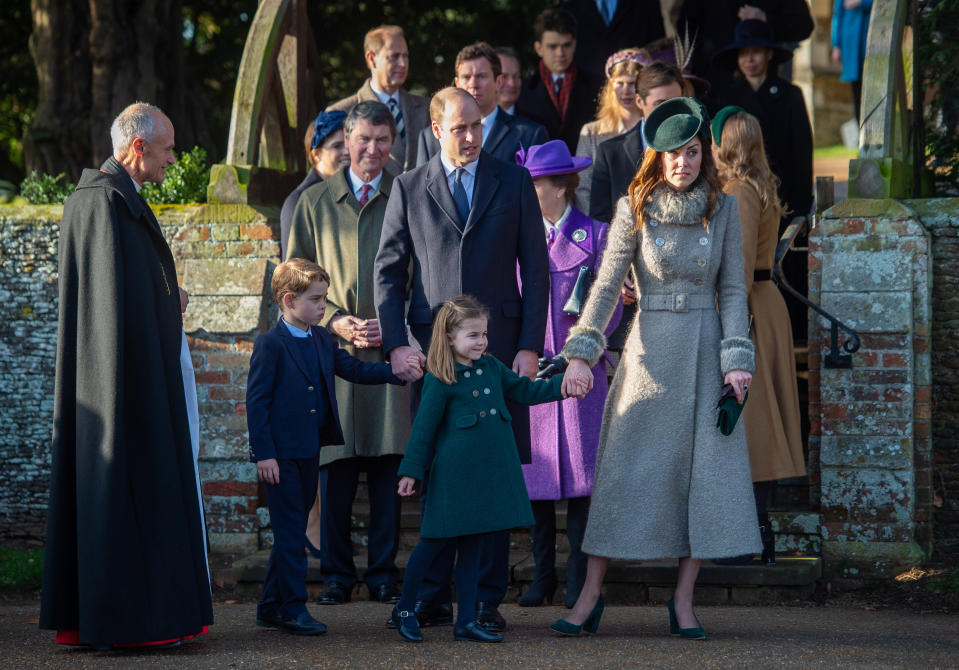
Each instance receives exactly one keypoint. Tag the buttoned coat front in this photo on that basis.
(564, 436)
(668, 483)
(416, 116)
(462, 436)
(331, 228)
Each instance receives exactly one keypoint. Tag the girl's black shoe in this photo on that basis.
(407, 625)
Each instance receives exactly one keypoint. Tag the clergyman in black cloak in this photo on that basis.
(125, 551)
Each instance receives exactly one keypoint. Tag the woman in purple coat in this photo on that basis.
(563, 436)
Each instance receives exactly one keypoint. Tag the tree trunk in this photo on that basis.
(93, 59)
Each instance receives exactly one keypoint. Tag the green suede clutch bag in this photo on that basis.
(728, 410)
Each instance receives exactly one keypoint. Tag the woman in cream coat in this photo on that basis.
(668, 483)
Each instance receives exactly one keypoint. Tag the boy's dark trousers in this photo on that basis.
(338, 482)
(284, 589)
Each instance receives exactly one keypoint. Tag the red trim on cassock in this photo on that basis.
(72, 637)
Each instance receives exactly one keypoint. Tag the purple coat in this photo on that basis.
(564, 435)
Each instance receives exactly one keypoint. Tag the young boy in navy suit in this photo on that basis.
(291, 413)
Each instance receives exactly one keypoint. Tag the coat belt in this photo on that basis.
(677, 302)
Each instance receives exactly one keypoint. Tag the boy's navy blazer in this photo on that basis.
(290, 409)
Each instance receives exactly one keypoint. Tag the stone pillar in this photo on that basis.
(870, 265)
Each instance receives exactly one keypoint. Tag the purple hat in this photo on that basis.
(551, 158)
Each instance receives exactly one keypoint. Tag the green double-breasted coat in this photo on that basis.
(462, 435)
(331, 228)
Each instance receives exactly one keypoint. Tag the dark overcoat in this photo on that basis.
(428, 255)
(331, 228)
(506, 136)
(462, 436)
(125, 559)
(564, 436)
(535, 104)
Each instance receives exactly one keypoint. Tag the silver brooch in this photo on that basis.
(774, 90)
(579, 235)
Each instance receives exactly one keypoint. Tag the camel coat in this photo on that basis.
(332, 229)
(771, 416)
(668, 483)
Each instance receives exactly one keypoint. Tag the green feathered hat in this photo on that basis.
(674, 123)
(720, 120)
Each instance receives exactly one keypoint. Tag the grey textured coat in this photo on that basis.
(668, 483)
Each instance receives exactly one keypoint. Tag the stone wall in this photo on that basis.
(28, 343)
(224, 255)
(941, 218)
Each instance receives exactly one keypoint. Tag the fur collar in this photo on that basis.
(682, 208)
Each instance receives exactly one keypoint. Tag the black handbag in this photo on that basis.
(551, 366)
(728, 410)
(577, 297)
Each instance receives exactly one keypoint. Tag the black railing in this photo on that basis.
(835, 358)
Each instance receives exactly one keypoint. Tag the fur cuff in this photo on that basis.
(737, 353)
(584, 342)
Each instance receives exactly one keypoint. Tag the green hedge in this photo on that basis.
(185, 182)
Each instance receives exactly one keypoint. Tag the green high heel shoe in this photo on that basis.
(698, 633)
(590, 626)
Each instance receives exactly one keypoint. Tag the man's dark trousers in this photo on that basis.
(338, 483)
(284, 589)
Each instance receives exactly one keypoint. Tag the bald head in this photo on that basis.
(457, 124)
(142, 138)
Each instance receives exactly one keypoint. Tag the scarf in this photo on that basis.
(560, 100)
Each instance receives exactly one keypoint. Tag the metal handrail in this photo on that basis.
(834, 359)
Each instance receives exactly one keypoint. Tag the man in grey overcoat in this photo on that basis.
(337, 224)
(461, 224)
(388, 59)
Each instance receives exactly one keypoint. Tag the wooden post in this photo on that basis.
(825, 194)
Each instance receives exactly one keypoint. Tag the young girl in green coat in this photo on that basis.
(462, 436)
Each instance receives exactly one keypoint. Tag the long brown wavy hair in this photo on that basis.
(650, 175)
(450, 317)
(610, 113)
(743, 156)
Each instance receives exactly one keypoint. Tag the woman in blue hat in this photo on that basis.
(563, 436)
(668, 483)
(326, 153)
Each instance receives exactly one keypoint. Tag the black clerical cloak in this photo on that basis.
(125, 559)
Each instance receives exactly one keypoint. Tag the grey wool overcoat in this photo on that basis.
(668, 483)
(331, 228)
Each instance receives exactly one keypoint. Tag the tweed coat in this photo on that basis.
(416, 116)
(462, 435)
(332, 229)
(564, 436)
(668, 483)
(771, 416)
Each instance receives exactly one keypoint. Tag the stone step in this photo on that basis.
(627, 582)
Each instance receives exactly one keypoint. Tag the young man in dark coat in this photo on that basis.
(559, 95)
(125, 559)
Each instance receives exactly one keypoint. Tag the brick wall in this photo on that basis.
(871, 438)
(224, 256)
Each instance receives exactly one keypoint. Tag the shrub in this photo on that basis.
(939, 60)
(45, 189)
(185, 181)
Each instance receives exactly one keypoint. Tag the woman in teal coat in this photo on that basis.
(850, 23)
(462, 436)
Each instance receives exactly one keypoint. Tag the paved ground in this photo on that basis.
(629, 637)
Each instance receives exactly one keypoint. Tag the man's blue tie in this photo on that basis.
(608, 10)
(398, 115)
(459, 195)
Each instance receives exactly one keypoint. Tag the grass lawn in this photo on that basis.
(836, 151)
(20, 570)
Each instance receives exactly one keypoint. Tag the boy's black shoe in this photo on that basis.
(489, 617)
(335, 594)
(385, 593)
(268, 621)
(304, 624)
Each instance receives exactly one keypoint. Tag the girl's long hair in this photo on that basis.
(742, 155)
(440, 360)
(610, 113)
(650, 175)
